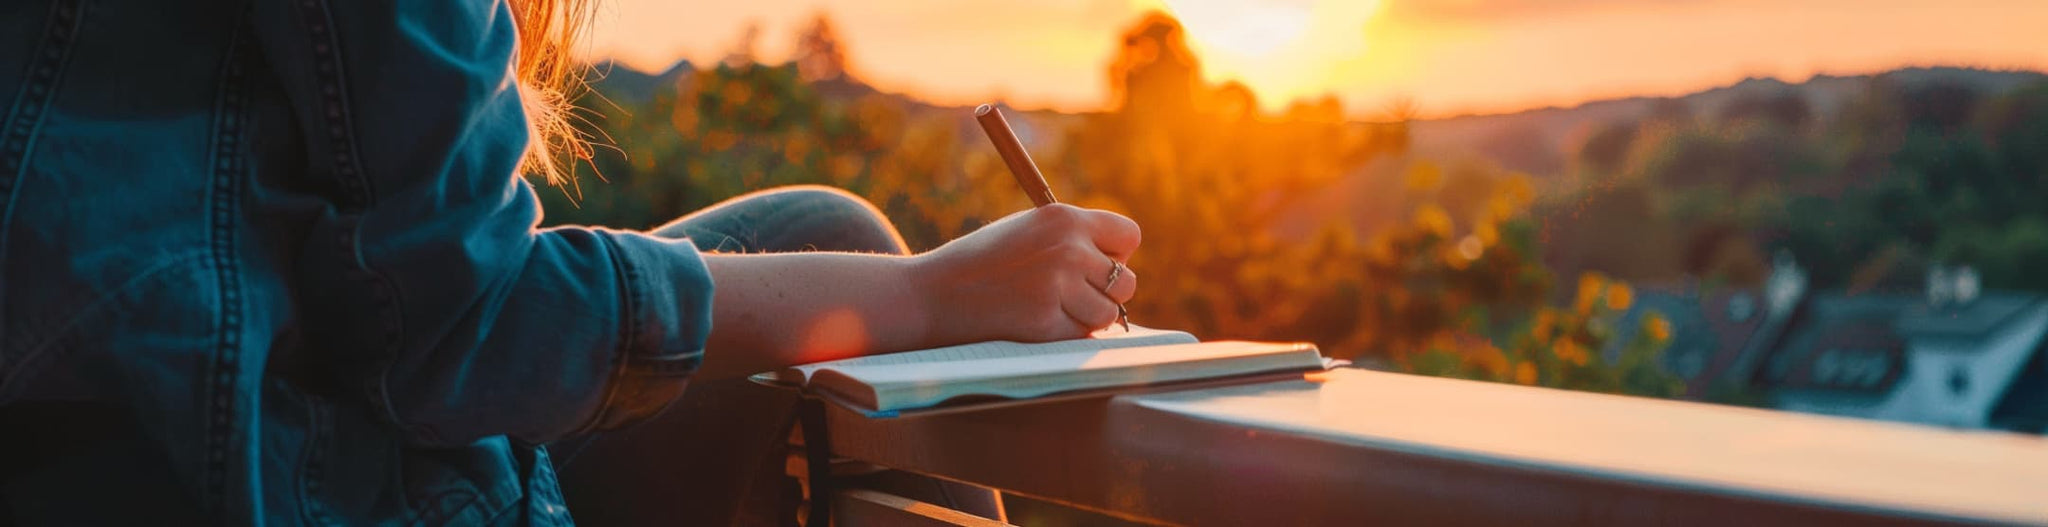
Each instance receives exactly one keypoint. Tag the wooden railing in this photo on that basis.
(1352, 447)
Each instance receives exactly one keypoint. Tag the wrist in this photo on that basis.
(923, 298)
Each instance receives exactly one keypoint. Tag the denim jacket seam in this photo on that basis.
(38, 92)
(45, 75)
(359, 197)
(224, 373)
(319, 431)
(325, 40)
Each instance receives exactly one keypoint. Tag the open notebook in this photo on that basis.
(1011, 370)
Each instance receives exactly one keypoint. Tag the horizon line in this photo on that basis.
(1352, 113)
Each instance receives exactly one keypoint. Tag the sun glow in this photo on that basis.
(1282, 49)
(1246, 27)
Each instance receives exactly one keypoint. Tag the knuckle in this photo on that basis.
(1059, 215)
(1077, 253)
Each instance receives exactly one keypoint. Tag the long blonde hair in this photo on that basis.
(549, 80)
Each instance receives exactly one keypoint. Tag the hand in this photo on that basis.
(1037, 275)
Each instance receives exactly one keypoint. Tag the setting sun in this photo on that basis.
(1248, 27)
(1282, 49)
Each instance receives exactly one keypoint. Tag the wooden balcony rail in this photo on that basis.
(1361, 447)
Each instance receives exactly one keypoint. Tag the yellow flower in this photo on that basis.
(1619, 296)
(1424, 177)
(1500, 208)
(1487, 231)
(1589, 291)
(1519, 188)
(1492, 360)
(1570, 351)
(1541, 328)
(1434, 220)
(1658, 328)
(1525, 374)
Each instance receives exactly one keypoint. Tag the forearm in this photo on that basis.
(775, 310)
(1031, 276)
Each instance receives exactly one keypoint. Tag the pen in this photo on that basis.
(1027, 174)
(1013, 153)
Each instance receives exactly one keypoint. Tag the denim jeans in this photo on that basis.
(716, 455)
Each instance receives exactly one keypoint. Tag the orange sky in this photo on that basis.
(1449, 56)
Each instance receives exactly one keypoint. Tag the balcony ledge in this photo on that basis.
(1352, 446)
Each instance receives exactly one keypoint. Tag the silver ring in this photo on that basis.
(1116, 269)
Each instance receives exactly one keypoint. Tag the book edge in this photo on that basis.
(889, 393)
(799, 376)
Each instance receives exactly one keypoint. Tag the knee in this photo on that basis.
(822, 199)
(856, 224)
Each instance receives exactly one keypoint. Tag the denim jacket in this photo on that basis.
(284, 239)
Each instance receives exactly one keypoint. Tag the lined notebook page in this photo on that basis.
(1137, 336)
(922, 384)
(1197, 355)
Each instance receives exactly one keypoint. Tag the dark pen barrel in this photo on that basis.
(1012, 150)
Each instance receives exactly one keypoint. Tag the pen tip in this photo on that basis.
(983, 109)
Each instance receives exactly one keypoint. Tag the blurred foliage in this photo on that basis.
(1905, 174)
(1561, 348)
(1237, 243)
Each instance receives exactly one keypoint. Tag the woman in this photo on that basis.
(268, 261)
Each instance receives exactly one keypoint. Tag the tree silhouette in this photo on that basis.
(1154, 73)
(819, 55)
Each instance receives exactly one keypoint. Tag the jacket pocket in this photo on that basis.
(42, 331)
(357, 472)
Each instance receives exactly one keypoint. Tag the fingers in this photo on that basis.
(1112, 233)
(1084, 245)
(1096, 308)
(1087, 306)
(1115, 234)
(1119, 291)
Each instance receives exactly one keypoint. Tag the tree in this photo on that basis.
(1154, 73)
(819, 55)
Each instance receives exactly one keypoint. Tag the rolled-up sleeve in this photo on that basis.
(427, 281)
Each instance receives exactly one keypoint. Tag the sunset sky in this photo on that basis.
(1448, 56)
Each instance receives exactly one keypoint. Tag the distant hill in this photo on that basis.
(1536, 141)
(631, 88)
